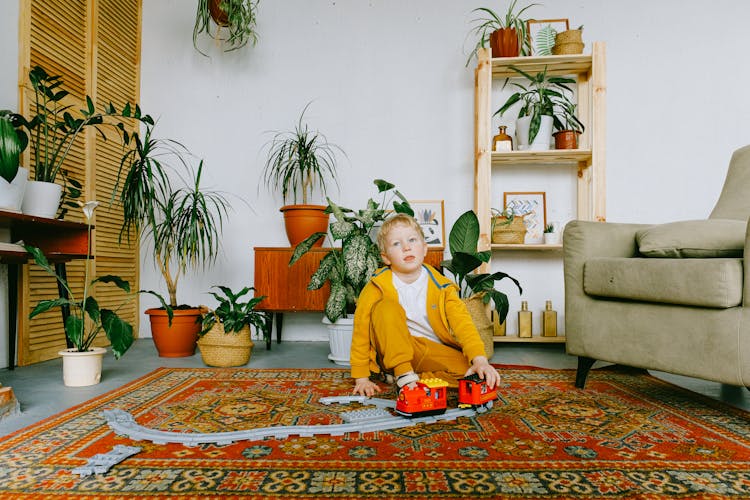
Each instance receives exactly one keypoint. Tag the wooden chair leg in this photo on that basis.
(584, 365)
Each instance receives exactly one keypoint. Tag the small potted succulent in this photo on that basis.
(226, 339)
(238, 17)
(300, 163)
(506, 36)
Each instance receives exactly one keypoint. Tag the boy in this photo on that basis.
(410, 318)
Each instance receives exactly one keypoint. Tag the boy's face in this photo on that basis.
(405, 249)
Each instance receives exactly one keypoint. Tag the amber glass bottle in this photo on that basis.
(502, 141)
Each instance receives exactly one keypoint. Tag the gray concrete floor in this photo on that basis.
(41, 393)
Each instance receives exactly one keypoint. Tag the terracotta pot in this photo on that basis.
(301, 221)
(504, 43)
(217, 13)
(178, 340)
(566, 139)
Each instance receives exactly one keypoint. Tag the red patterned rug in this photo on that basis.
(627, 435)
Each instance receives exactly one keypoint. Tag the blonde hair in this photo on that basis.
(397, 220)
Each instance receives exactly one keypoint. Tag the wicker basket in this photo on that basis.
(480, 315)
(509, 233)
(226, 349)
(568, 42)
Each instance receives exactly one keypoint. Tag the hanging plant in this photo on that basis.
(238, 18)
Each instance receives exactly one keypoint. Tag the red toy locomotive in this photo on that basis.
(429, 396)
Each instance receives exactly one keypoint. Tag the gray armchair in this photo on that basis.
(669, 297)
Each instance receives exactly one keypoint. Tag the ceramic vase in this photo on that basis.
(12, 193)
(42, 199)
(543, 137)
(340, 340)
(81, 369)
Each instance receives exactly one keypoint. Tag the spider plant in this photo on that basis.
(299, 162)
(239, 17)
(488, 21)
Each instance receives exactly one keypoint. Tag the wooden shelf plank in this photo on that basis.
(524, 246)
(560, 339)
(556, 65)
(551, 157)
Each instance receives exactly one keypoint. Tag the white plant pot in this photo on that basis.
(82, 368)
(551, 238)
(42, 199)
(543, 139)
(11, 193)
(340, 340)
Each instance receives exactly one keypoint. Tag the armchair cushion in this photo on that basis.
(715, 283)
(699, 239)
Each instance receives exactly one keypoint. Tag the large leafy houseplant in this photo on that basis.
(465, 259)
(348, 268)
(238, 17)
(488, 21)
(54, 126)
(80, 331)
(538, 98)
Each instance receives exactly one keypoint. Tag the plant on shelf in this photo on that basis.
(465, 259)
(490, 28)
(226, 339)
(12, 144)
(238, 17)
(348, 268)
(183, 223)
(549, 228)
(507, 227)
(54, 128)
(301, 162)
(567, 125)
(538, 98)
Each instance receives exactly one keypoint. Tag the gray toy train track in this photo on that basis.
(364, 420)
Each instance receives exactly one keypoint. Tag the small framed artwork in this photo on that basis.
(533, 206)
(542, 34)
(431, 216)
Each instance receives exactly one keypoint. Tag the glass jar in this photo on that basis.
(502, 141)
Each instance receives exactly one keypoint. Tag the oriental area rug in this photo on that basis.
(627, 435)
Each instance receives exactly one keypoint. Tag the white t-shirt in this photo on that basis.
(413, 298)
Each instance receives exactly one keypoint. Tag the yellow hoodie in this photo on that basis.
(446, 314)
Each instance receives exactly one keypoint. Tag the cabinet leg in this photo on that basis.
(279, 323)
(13, 270)
(584, 365)
(267, 329)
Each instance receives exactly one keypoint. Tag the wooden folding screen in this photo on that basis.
(95, 46)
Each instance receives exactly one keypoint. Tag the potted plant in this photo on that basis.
(238, 17)
(536, 116)
(349, 267)
(507, 227)
(13, 177)
(567, 125)
(299, 163)
(82, 363)
(225, 331)
(476, 289)
(183, 223)
(52, 131)
(506, 35)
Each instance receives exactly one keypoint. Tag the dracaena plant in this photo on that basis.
(349, 268)
(465, 260)
(233, 313)
(539, 97)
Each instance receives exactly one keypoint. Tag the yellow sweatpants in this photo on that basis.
(399, 352)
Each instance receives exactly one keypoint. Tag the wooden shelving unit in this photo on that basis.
(589, 161)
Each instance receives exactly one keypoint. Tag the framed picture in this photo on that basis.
(431, 216)
(533, 205)
(542, 34)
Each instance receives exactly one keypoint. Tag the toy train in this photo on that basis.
(429, 397)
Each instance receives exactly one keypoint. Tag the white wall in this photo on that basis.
(388, 84)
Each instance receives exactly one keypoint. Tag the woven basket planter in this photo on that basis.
(480, 315)
(568, 42)
(226, 349)
(513, 233)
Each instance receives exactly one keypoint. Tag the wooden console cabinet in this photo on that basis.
(285, 287)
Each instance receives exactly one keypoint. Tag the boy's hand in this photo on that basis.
(365, 387)
(482, 367)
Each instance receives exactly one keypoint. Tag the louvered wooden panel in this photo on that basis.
(95, 46)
